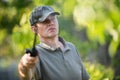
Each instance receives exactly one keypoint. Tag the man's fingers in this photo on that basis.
(29, 61)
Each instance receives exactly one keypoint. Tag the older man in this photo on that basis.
(57, 59)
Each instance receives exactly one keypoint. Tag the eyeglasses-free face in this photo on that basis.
(49, 27)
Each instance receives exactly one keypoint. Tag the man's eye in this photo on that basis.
(46, 21)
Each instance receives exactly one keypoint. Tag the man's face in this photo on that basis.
(48, 28)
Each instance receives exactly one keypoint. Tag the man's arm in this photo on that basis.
(26, 65)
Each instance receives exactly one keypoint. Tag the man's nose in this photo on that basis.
(51, 21)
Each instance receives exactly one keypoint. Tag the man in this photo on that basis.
(57, 59)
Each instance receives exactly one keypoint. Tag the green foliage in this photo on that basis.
(68, 7)
(2, 35)
(99, 72)
(18, 4)
(22, 38)
(101, 19)
(117, 2)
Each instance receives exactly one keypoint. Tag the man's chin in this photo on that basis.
(52, 36)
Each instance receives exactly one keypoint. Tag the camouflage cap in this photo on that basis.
(40, 13)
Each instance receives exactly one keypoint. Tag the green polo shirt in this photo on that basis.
(59, 64)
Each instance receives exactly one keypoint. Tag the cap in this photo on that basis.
(40, 13)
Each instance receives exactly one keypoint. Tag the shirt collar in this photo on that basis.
(43, 45)
(47, 46)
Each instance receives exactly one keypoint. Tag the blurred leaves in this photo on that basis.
(99, 72)
(2, 35)
(101, 18)
(68, 7)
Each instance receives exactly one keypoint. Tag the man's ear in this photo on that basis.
(34, 29)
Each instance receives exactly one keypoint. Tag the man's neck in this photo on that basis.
(53, 42)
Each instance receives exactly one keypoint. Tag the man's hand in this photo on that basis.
(25, 66)
(28, 61)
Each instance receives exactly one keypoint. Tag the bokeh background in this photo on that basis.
(92, 25)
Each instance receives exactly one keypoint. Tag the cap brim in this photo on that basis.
(46, 15)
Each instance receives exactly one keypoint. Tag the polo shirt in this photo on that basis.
(59, 64)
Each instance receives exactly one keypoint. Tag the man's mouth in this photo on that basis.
(51, 29)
